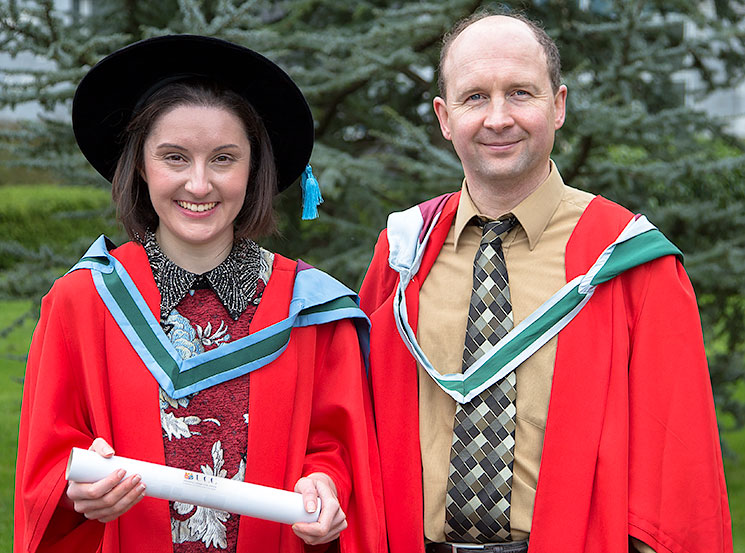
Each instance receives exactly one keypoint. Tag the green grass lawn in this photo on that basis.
(734, 470)
(11, 388)
(11, 372)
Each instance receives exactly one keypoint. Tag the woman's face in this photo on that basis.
(196, 165)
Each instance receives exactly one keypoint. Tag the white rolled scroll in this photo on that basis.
(195, 488)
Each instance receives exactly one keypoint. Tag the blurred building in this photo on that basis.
(726, 105)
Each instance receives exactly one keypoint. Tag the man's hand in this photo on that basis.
(110, 497)
(331, 520)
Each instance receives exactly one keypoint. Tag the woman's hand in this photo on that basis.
(110, 497)
(331, 520)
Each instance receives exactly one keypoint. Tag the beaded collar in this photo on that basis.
(234, 280)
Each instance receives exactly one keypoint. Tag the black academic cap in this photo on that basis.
(106, 97)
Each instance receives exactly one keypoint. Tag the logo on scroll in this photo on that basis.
(199, 478)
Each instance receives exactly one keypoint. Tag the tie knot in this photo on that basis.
(493, 230)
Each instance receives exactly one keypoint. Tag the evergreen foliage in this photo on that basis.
(368, 70)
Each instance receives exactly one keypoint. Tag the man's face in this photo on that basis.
(500, 112)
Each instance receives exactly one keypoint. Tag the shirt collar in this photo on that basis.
(234, 281)
(533, 213)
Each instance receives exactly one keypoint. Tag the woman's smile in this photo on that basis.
(197, 207)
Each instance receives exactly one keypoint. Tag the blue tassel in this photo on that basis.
(311, 194)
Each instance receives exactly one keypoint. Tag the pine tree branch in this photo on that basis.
(338, 98)
(333, 107)
(48, 7)
(583, 154)
(230, 16)
(131, 26)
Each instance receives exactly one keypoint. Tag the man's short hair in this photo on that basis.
(549, 46)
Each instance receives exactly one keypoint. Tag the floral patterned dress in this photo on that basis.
(207, 431)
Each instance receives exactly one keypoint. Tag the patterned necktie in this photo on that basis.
(477, 506)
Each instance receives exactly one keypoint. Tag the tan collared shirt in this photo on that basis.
(534, 254)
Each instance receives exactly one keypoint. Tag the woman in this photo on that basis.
(191, 346)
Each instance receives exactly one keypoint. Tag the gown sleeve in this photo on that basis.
(55, 416)
(677, 493)
(341, 441)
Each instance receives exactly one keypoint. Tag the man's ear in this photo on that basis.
(441, 111)
(560, 107)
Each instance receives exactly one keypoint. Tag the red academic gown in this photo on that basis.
(631, 444)
(309, 411)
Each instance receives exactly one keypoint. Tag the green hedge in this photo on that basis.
(58, 217)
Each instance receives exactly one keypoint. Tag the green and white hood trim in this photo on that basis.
(408, 235)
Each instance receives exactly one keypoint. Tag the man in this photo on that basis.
(600, 439)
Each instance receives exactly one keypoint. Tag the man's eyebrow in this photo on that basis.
(524, 84)
(469, 89)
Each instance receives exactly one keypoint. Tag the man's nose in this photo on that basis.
(499, 114)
